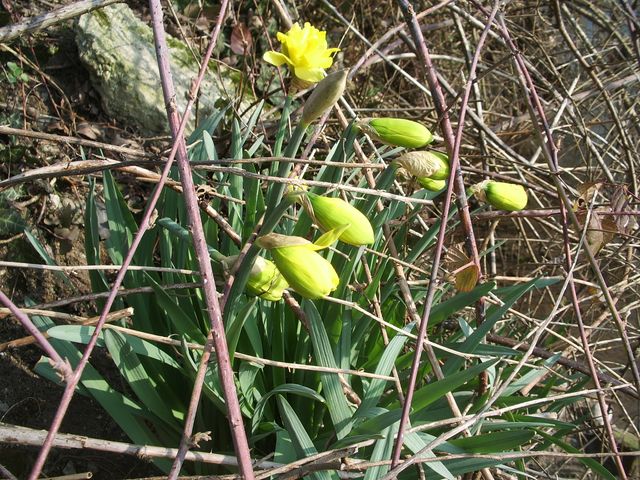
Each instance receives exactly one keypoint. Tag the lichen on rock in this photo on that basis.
(118, 51)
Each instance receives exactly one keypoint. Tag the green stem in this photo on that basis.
(282, 126)
(277, 189)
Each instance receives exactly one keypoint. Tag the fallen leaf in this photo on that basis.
(587, 191)
(620, 203)
(241, 39)
(461, 268)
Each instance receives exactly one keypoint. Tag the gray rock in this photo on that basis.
(118, 51)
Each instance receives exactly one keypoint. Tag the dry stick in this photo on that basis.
(62, 366)
(373, 47)
(592, 72)
(121, 293)
(453, 147)
(267, 178)
(551, 154)
(6, 473)
(302, 466)
(74, 141)
(112, 317)
(500, 457)
(216, 335)
(28, 436)
(251, 358)
(484, 412)
(572, 364)
(43, 21)
(144, 225)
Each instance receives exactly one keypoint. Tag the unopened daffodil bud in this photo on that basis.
(331, 212)
(397, 131)
(324, 96)
(501, 195)
(431, 184)
(297, 259)
(425, 164)
(265, 281)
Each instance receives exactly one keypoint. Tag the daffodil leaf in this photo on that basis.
(328, 238)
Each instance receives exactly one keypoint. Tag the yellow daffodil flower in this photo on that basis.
(305, 51)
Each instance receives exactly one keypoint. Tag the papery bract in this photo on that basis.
(425, 164)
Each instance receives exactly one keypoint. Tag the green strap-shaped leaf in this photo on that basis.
(290, 388)
(339, 409)
(299, 436)
(133, 371)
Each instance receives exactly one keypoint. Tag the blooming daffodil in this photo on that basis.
(305, 51)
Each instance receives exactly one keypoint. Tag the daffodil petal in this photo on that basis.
(313, 75)
(276, 58)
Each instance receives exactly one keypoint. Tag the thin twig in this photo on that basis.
(216, 334)
(48, 19)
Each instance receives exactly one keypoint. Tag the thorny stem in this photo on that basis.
(216, 337)
(59, 364)
(144, 225)
(550, 150)
(453, 147)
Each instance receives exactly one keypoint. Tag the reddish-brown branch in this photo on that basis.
(455, 181)
(144, 225)
(216, 338)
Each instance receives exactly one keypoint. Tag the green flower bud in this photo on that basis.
(397, 131)
(501, 195)
(265, 281)
(306, 271)
(324, 96)
(431, 184)
(330, 212)
(425, 164)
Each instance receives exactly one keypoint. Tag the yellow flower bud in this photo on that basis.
(425, 164)
(331, 213)
(397, 131)
(265, 281)
(431, 184)
(324, 96)
(307, 272)
(501, 195)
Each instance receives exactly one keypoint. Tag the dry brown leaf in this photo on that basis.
(461, 268)
(241, 39)
(620, 203)
(587, 191)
